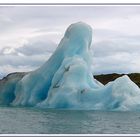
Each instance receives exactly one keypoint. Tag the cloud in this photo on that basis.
(37, 46)
(122, 63)
(120, 55)
(27, 57)
(112, 47)
(29, 35)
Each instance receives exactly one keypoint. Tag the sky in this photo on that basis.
(30, 34)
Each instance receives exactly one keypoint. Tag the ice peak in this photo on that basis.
(124, 79)
(79, 31)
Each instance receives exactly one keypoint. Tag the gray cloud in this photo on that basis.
(29, 35)
(123, 63)
(27, 57)
(106, 48)
(37, 46)
(120, 56)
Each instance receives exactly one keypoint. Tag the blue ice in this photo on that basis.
(66, 81)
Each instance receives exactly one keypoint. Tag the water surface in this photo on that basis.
(34, 121)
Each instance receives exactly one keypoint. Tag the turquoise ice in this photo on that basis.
(66, 81)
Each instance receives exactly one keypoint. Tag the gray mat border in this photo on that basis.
(70, 4)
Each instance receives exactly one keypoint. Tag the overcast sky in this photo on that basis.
(30, 34)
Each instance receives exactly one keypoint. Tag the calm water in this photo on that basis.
(33, 121)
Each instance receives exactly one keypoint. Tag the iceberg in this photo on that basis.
(66, 81)
(7, 87)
